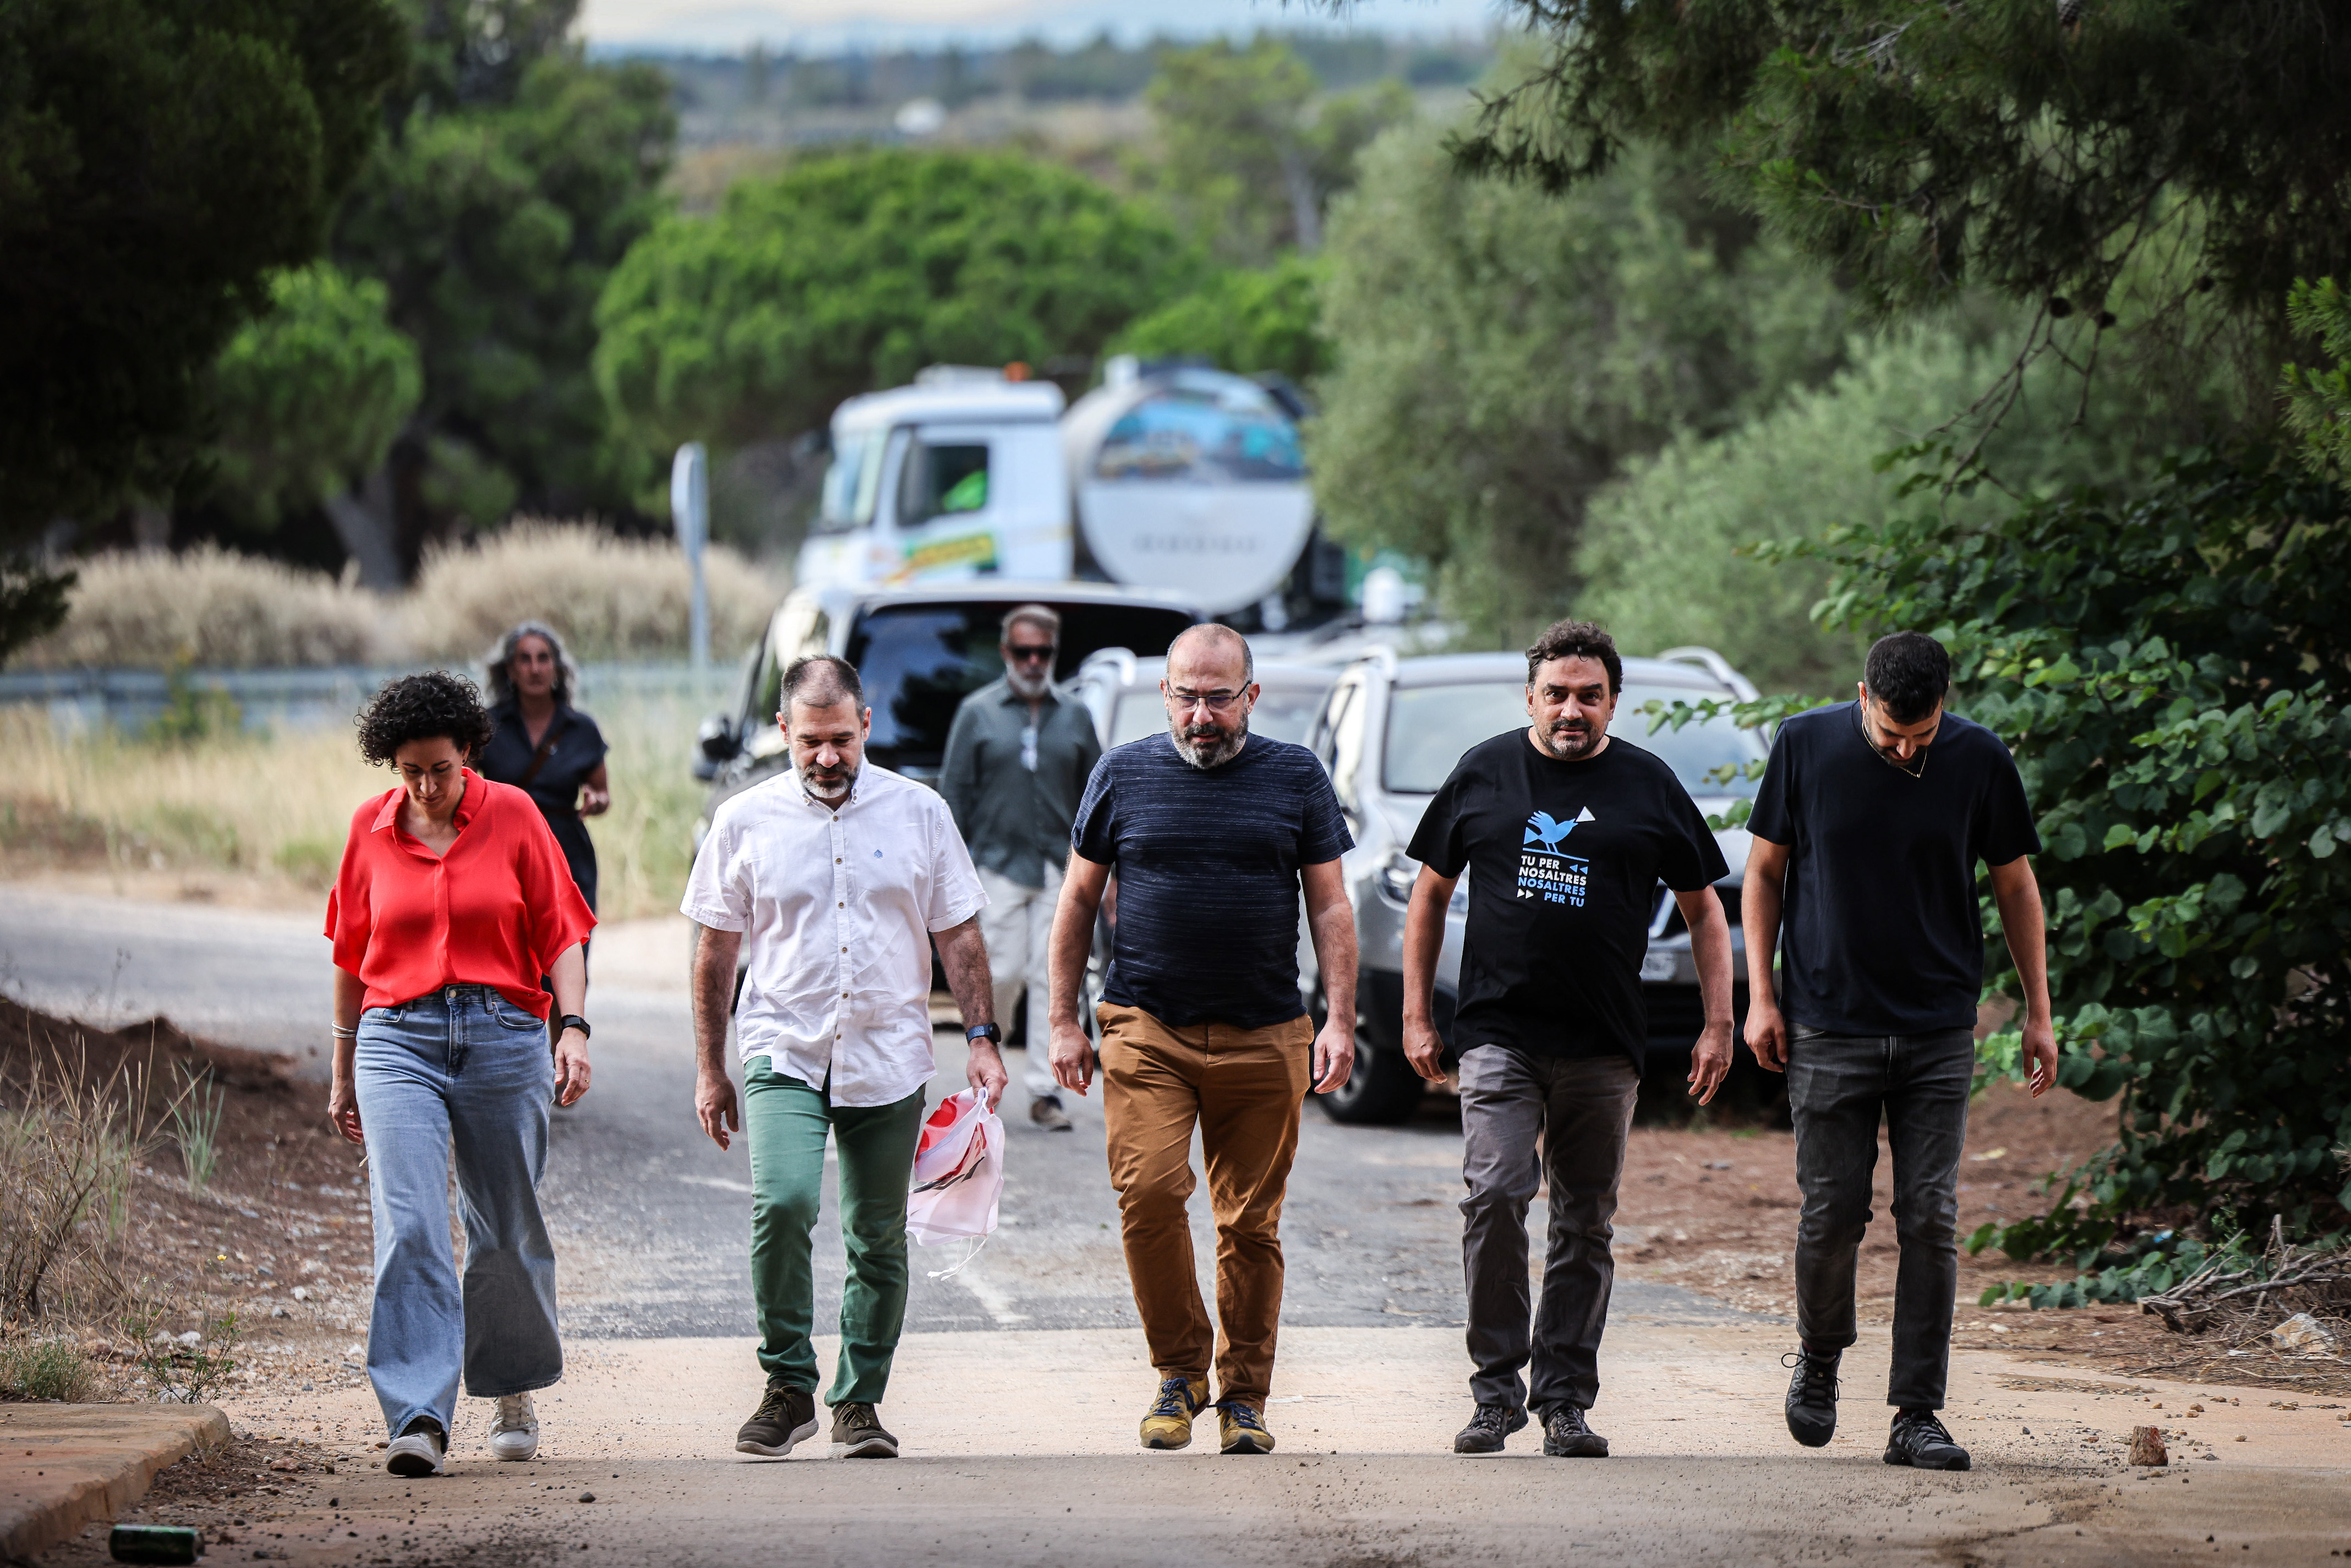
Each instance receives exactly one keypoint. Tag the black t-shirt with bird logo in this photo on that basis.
(1563, 861)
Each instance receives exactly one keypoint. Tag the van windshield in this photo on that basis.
(1430, 726)
(918, 661)
(852, 482)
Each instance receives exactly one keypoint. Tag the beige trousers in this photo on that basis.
(1018, 925)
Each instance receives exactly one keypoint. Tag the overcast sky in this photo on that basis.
(828, 25)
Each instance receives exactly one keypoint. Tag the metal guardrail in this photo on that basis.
(86, 699)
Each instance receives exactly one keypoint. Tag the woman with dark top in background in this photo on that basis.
(451, 903)
(543, 746)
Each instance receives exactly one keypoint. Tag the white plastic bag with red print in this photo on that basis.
(958, 1176)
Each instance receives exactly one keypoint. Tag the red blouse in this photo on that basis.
(497, 910)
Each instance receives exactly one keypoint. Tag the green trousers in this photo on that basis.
(786, 1121)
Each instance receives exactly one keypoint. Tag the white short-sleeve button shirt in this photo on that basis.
(836, 910)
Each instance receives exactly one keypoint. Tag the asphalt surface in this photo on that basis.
(652, 1221)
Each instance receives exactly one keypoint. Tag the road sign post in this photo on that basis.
(689, 506)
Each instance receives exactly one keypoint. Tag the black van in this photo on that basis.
(919, 652)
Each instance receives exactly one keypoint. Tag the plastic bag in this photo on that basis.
(958, 1176)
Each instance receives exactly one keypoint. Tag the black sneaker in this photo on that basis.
(1487, 1426)
(785, 1420)
(1813, 1395)
(1565, 1436)
(1918, 1439)
(858, 1434)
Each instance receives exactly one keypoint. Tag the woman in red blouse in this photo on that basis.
(453, 901)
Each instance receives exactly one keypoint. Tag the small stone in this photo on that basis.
(2147, 1447)
(587, 1497)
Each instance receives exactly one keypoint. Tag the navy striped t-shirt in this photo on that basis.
(1208, 863)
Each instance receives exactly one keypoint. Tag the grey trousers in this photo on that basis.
(1838, 1086)
(1578, 1111)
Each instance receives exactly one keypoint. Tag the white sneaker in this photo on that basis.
(416, 1454)
(514, 1432)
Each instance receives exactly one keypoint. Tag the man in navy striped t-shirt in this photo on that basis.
(1214, 832)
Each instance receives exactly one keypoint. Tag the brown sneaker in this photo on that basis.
(858, 1434)
(785, 1420)
(1168, 1423)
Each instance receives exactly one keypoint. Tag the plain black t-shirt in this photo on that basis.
(1207, 863)
(1879, 931)
(579, 751)
(1565, 859)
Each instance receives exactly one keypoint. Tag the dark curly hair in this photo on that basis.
(1577, 640)
(420, 708)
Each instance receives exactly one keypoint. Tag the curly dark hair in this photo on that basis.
(1577, 640)
(420, 708)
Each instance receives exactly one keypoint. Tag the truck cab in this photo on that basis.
(958, 476)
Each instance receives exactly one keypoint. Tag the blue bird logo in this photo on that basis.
(1541, 828)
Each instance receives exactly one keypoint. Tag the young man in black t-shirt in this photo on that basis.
(1565, 833)
(1868, 827)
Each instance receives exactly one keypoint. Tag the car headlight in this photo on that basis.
(1395, 876)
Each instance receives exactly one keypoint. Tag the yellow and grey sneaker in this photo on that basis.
(1168, 1423)
(1243, 1428)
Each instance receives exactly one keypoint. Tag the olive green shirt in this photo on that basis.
(1014, 794)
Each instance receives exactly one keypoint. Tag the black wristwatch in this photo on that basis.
(987, 1032)
(573, 1020)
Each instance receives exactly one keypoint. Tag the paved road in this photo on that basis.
(652, 1220)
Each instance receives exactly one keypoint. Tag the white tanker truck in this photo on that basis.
(1176, 477)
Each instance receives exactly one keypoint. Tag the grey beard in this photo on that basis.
(1205, 755)
(829, 790)
(1026, 685)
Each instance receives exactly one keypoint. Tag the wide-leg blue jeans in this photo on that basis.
(462, 1069)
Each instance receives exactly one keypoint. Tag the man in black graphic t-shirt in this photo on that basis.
(1565, 833)
(1868, 827)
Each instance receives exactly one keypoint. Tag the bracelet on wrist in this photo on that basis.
(342, 1034)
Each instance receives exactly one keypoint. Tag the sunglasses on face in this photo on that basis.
(1029, 654)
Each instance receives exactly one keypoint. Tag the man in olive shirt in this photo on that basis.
(1017, 757)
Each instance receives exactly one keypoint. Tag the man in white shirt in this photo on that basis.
(830, 883)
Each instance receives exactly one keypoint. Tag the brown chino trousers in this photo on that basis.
(1243, 1087)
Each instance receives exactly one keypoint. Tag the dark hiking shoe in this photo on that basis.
(1047, 1112)
(858, 1434)
(785, 1420)
(1487, 1426)
(1813, 1395)
(1918, 1439)
(1565, 1436)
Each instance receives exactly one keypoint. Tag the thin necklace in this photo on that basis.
(1862, 723)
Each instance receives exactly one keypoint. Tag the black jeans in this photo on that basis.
(1579, 1110)
(1838, 1086)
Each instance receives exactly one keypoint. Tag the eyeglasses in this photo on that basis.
(1215, 702)
(1029, 653)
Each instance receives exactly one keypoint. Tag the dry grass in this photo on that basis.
(611, 598)
(209, 606)
(275, 810)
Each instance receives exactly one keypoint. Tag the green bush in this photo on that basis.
(2171, 672)
(1244, 321)
(45, 1369)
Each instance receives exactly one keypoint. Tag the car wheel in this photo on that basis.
(1383, 1090)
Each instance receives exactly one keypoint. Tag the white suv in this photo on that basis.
(1390, 731)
